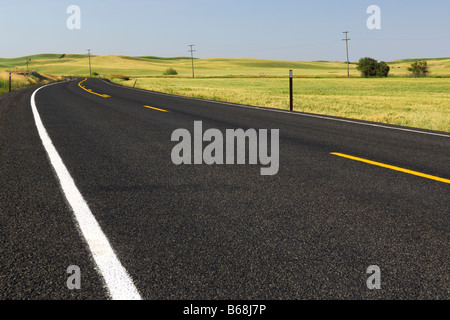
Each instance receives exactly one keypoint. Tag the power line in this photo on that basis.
(192, 58)
(346, 44)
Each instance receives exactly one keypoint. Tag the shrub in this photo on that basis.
(372, 68)
(419, 69)
(119, 76)
(170, 72)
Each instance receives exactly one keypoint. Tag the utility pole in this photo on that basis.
(192, 58)
(28, 60)
(89, 53)
(346, 44)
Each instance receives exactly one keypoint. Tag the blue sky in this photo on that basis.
(281, 29)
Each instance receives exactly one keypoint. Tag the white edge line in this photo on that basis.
(117, 280)
(283, 111)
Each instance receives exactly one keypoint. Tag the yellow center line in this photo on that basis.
(162, 110)
(90, 90)
(379, 164)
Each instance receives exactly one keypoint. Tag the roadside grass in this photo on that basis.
(21, 80)
(413, 102)
(319, 86)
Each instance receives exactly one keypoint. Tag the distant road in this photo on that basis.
(87, 180)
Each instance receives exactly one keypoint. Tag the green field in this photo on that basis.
(71, 64)
(319, 87)
(59, 64)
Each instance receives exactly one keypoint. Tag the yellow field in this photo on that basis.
(20, 80)
(153, 66)
(4, 76)
(420, 103)
(319, 86)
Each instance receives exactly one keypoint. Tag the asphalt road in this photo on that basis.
(217, 232)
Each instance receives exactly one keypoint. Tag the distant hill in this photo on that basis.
(146, 66)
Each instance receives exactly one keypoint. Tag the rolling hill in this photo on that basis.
(75, 64)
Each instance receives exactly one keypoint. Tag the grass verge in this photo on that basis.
(412, 102)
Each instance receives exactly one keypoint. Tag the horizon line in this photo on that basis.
(185, 57)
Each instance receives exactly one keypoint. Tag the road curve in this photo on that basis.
(215, 232)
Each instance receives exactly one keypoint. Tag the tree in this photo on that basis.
(383, 69)
(419, 69)
(367, 66)
(372, 68)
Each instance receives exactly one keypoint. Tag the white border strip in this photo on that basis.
(284, 111)
(117, 280)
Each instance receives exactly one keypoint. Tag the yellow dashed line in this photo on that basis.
(162, 110)
(90, 90)
(379, 164)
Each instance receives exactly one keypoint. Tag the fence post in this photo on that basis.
(291, 93)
